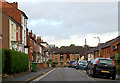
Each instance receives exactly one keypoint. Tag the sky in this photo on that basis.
(71, 22)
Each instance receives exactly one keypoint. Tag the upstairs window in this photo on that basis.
(56, 55)
(114, 47)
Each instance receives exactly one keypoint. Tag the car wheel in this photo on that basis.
(93, 73)
(89, 73)
(113, 77)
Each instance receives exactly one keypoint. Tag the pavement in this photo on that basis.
(27, 77)
(118, 77)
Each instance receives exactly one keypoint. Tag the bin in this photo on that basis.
(34, 66)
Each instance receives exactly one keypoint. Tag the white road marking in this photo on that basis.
(39, 78)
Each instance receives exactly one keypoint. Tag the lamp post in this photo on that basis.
(99, 43)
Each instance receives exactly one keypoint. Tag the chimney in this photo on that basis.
(99, 44)
(38, 39)
(34, 36)
(15, 4)
(30, 33)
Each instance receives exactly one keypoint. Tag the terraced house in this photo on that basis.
(11, 9)
(64, 55)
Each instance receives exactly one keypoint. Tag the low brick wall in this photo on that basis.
(40, 65)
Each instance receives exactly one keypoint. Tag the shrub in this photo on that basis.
(117, 62)
(2, 60)
(15, 61)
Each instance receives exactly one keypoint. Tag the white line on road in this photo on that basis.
(39, 78)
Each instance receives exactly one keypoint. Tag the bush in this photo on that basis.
(15, 61)
(117, 62)
(2, 60)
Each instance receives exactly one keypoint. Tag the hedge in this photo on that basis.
(15, 61)
(117, 62)
(2, 60)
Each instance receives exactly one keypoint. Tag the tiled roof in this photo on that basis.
(111, 42)
(71, 50)
(118, 43)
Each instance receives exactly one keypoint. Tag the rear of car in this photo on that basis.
(82, 64)
(70, 64)
(74, 64)
(104, 66)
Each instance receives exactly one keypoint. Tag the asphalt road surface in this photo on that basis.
(71, 74)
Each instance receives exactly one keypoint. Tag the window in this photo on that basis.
(61, 59)
(12, 30)
(73, 54)
(73, 59)
(56, 55)
(55, 59)
(67, 59)
(114, 47)
(18, 33)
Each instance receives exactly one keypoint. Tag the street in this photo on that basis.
(70, 74)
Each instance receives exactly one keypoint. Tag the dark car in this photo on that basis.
(70, 64)
(102, 66)
(74, 64)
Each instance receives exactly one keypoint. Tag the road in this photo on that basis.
(70, 74)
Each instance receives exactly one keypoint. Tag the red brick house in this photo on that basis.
(64, 55)
(11, 31)
(20, 17)
(110, 48)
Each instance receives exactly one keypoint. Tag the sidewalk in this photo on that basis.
(118, 77)
(27, 76)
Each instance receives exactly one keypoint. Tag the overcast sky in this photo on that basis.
(65, 23)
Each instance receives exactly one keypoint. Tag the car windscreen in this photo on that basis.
(105, 61)
(84, 62)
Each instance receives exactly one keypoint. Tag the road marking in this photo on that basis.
(85, 75)
(45, 74)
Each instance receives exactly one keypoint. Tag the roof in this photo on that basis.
(118, 43)
(71, 50)
(11, 18)
(24, 14)
(111, 42)
(91, 50)
(44, 42)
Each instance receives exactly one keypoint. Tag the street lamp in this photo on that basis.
(99, 43)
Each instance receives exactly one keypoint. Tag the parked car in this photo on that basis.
(70, 64)
(82, 64)
(102, 66)
(74, 64)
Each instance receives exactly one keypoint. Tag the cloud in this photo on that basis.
(80, 40)
(43, 21)
(64, 23)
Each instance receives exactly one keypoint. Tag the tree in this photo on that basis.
(72, 45)
(86, 45)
